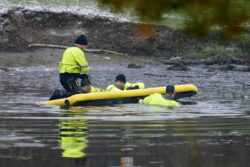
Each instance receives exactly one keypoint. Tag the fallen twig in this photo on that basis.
(38, 45)
(4, 69)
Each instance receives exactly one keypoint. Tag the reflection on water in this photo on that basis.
(68, 139)
(73, 135)
(214, 132)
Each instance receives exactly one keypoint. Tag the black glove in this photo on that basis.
(83, 76)
(133, 87)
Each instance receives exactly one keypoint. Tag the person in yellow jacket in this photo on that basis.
(88, 88)
(73, 63)
(157, 99)
(85, 86)
(166, 100)
(122, 84)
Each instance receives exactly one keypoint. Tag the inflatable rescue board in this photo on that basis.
(121, 97)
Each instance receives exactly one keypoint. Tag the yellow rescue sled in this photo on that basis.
(121, 97)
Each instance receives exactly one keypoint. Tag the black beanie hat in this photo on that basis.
(81, 40)
(120, 77)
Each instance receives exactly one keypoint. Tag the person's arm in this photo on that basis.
(137, 85)
(96, 89)
(112, 88)
(82, 62)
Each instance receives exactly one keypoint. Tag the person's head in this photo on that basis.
(86, 85)
(120, 81)
(81, 42)
(170, 91)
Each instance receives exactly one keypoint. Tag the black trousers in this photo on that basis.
(69, 82)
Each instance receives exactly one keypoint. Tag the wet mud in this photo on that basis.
(214, 131)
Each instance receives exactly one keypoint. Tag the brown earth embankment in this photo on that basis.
(20, 27)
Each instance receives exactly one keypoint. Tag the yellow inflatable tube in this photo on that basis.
(117, 94)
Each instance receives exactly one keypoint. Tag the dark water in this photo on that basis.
(214, 132)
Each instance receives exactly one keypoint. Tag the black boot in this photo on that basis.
(58, 94)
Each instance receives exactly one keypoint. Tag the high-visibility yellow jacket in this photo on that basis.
(158, 100)
(111, 88)
(139, 84)
(95, 89)
(73, 61)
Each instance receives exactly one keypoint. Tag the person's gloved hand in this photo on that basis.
(133, 87)
(83, 76)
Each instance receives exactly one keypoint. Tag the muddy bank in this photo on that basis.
(20, 27)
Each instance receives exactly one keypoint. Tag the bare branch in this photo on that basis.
(38, 45)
